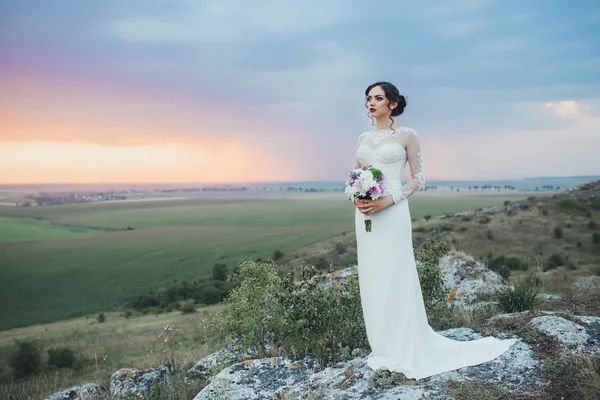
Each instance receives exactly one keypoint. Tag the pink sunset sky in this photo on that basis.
(199, 92)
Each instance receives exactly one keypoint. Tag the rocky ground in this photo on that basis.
(520, 370)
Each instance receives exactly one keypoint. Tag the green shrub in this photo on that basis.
(304, 312)
(558, 232)
(427, 217)
(187, 306)
(101, 318)
(252, 311)
(490, 234)
(519, 297)
(26, 360)
(592, 225)
(512, 263)
(430, 275)
(61, 357)
(202, 291)
(277, 255)
(506, 202)
(596, 238)
(321, 264)
(504, 271)
(554, 261)
(295, 313)
(340, 248)
(484, 220)
(544, 212)
(572, 206)
(446, 228)
(219, 272)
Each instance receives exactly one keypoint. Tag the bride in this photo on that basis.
(400, 337)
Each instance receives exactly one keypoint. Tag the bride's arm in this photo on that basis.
(415, 160)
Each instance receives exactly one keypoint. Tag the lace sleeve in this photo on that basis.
(415, 160)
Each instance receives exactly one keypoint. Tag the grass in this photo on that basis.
(104, 348)
(22, 229)
(67, 277)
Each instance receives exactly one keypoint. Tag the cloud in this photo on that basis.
(232, 20)
(290, 73)
(567, 109)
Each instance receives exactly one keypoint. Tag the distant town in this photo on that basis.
(56, 197)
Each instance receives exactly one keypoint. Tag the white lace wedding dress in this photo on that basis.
(400, 337)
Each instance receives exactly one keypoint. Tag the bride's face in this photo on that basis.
(377, 103)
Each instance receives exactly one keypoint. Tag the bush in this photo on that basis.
(61, 357)
(101, 318)
(340, 248)
(296, 313)
(558, 232)
(277, 255)
(430, 275)
(572, 206)
(202, 291)
(321, 264)
(427, 217)
(187, 306)
(520, 297)
(504, 271)
(219, 272)
(592, 225)
(544, 212)
(26, 360)
(554, 261)
(596, 238)
(490, 235)
(484, 220)
(304, 312)
(512, 263)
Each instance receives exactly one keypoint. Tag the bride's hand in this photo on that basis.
(369, 207)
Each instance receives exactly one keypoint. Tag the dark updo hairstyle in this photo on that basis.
(393, 96)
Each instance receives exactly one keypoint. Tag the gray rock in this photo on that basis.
(78, 392)
(550, 297)
(271, 377)
(577, 337)
(219, 360)
(257, 379)
(472, 280)
(588, 282)
(130, 382)
(504, 317)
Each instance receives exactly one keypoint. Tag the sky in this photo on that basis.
(273, 90)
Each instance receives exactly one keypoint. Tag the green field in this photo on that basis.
(82, 259)
(23, 229)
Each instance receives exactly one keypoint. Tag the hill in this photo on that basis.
(558, 232)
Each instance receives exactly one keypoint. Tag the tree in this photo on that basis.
(219, 272)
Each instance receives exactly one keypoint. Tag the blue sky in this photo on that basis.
(496, 89)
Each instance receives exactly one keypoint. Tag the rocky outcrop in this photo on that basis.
(243, 376)
(78, 392)
(135, 382)
(278, 378)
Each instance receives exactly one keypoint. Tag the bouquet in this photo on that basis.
(365, 183)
